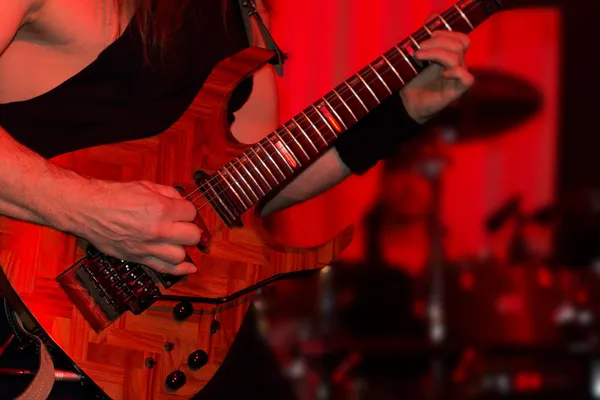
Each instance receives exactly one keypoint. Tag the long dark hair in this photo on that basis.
(158, 20)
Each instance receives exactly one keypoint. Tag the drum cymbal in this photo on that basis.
(497, 102)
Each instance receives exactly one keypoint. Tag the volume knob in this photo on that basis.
(183, 310)
(197, 360)
(175, 380)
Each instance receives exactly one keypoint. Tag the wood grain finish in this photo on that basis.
(32, 257)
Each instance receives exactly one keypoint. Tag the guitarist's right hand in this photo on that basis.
(140, 222)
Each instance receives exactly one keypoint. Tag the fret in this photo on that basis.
(407, 61)
(255, 167)
(358, 98)
(272, 160)
(228, 215)
(346, 105)
(235, 181)
(289, 151)
(445, 23)
(368, 88)
(476, 11)
(417, 45)
(232, 164)
(238, 187)
(326, 122)
(265, 165)
(234, 191)
(305, 134)
(393, 69)
(262, 192)
(330, 107)
(464, 17)
(281, 153)
(297, 142)
(380, 78)
(410, 49)
(315, 128)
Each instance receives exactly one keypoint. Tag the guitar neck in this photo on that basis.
(274, 160)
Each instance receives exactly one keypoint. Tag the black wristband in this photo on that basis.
(377, 136)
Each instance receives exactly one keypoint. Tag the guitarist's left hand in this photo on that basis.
(441, 83)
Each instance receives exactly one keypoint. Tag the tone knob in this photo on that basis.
(175, 380)
(183, 310)
(197, 360)
(214, 327)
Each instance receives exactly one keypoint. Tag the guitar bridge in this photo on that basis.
(103, 288)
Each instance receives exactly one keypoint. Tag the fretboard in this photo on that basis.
(274, 160)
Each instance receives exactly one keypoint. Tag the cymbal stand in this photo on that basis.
(432, 168)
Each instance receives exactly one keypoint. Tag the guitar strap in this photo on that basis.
(249, 10)
(43, 381)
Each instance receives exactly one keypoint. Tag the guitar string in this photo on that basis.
(450, 20)
(417, 36)
(228, 186)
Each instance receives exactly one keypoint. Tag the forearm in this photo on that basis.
(31, 188)
(323, 174)
(374, 138)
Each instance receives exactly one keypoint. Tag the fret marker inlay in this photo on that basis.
(283, 149)
(325, 111)
(294, 145)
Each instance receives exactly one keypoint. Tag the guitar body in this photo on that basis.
(131, 356)
(110, 316)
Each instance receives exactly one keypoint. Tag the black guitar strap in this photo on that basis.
(249, 11)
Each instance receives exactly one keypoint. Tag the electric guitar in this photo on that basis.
(138, 334)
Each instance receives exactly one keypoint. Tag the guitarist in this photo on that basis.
(80, 73)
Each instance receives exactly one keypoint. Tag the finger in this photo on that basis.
(185, 234)
(465, 78)
(446, 58)
(464, 40)
(169, 253)
(445, 43)
(183, 210)
(167, 191)
(156, 264)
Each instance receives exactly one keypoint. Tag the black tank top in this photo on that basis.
(120, 97)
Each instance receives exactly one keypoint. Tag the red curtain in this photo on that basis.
(328, 40)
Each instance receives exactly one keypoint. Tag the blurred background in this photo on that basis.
(473, 269)
(507, 143)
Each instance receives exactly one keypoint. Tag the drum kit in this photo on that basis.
(521, 326)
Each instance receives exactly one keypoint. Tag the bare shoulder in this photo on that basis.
(19, 10)
(13, 15)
